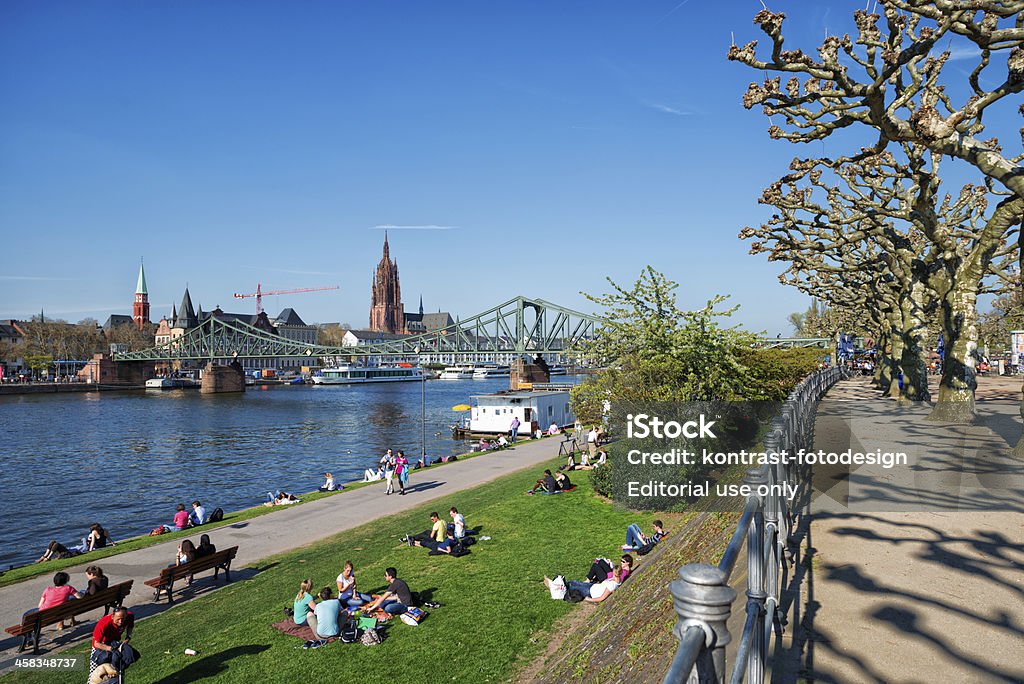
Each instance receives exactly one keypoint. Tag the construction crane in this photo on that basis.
(258, 294)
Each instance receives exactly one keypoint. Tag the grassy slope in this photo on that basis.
(495, 610)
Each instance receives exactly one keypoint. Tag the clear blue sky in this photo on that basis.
(231, 143)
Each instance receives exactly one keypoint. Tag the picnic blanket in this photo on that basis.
(291, 629)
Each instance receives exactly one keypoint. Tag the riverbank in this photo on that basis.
(62, 387)
(495, 610)
(316, 523)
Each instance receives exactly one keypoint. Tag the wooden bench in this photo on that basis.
(218, 561)
(33, 623)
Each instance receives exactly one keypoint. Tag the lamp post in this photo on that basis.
(423, 410)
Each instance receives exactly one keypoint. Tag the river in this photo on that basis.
(125, 459)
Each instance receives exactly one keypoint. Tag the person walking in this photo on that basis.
(514, 428)
(402, 471)
(388, 463)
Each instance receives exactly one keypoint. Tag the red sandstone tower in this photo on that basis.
(386, 311)
(140, 309)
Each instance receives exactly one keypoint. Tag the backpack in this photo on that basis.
(217, 515)
(459, 550)
(574, 596)
(370, 638)
(645, 549)
(350, 633)
(157, 531)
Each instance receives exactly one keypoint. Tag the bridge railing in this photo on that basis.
(702, 595)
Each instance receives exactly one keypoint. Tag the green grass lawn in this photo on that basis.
(24, 572)
(495, 610)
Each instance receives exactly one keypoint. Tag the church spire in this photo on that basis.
(386, 250)
(421, 305)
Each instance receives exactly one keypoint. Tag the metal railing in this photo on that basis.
(702, 596)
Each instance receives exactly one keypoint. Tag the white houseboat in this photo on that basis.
(350, 375)
(492, 414)
(490, 370)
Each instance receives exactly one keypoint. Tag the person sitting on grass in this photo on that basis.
(458, 523)
(429, 538)
(305, 602)
(636, 540)
(447, 546)
(328, 483)
(198, 514)
(347, 593)
(483, 445)
(602, 458)
(545, 485)
(324, 618)
(395, 600)
(593, 592)
(181, 518)
(60, 592)
(502, 442)
(563, 481)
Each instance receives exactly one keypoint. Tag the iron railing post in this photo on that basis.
(702, 598)
(755, 576)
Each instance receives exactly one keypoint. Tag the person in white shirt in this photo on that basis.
(458, 523)
(198, 516)
(328, 483)
(592, 441)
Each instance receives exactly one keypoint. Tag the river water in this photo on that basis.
(125, 459)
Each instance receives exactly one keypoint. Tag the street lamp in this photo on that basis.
(423, 410)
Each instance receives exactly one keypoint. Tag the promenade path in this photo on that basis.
(915, 573)
(284, 529)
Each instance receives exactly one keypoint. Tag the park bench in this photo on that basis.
(33, 623)
(218, 561)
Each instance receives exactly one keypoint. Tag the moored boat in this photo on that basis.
(460, 371)
(490, 370)
(351, 375)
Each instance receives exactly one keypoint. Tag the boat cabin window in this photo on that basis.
(526, 415)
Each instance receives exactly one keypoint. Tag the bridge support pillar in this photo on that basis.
(218, 379)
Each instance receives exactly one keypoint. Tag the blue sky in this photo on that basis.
(231, 143)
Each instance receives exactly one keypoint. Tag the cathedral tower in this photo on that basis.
(386, 311)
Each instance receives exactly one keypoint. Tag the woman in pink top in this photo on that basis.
(181, 517)
(60, 592)
(401, 471)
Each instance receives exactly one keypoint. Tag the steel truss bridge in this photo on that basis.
(520, 325)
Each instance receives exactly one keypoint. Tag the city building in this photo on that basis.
(387, 314)
(11, 337)
(140, 308)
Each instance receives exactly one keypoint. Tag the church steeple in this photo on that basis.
(421, 305)
(140, 308)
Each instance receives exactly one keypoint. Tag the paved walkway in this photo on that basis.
(259, 538)
(916, 573)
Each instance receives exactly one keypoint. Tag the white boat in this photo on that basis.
(490, 370)
(352, 375)
(159, 383)
(457, 372)
(557, 370)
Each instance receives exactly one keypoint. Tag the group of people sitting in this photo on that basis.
(97, 538)
(184, 518)
(326, 614)
(450, 538)
(281, 498)
(187, 551)
(500, 443)
(605, 576)
(552, 484)
(62, 591)
(585, 462)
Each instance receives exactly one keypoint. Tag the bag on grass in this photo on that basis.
(645, 549)
(370, 638)
(413, 616)
(217, 515)
(558, 588)
(350, 634)
(157, 531)
(574, 596)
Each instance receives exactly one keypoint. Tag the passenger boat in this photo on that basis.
(159, 383)
(460, 371)
(557, 370)
(351, 375)
(490, 370)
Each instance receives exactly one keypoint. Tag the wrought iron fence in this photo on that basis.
(702, 595)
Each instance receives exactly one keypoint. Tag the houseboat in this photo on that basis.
(492, 414)
(351, 375)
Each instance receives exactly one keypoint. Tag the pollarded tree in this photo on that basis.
(890, 81)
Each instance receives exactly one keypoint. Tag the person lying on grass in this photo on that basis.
(593, 592)
(602, 569)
